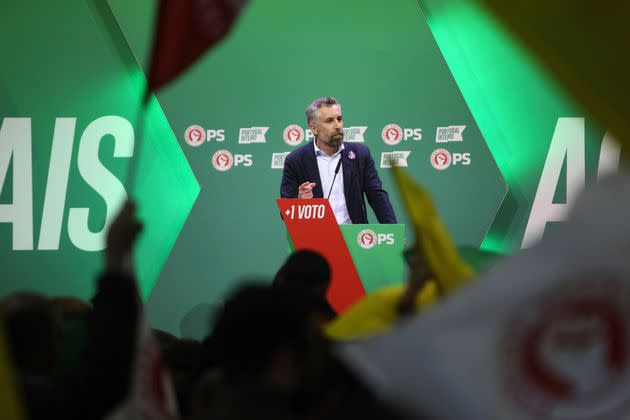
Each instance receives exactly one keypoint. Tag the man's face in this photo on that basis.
(328, 126)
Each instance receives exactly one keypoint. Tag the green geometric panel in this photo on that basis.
(67, 65)
(515, 104)
(166, 190)
(381, 265)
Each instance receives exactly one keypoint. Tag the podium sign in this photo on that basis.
(361, 257)
(377, 253)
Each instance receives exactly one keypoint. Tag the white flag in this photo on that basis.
(544, 335)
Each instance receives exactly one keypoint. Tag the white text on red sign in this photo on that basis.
(306, 211)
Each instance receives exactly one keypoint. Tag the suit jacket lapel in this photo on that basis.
(346, 164)
(312, 172)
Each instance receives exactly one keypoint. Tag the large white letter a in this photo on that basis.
(568, 140)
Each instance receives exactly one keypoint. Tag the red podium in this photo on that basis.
(312, 225)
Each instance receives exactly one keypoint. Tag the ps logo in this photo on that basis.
(293, 135)
(367, 238)
(442, 159)
(217, 135)
(195, 135)
(222, 160)
(385, 238)
(392, 134)
(463, 158)
(244, 160)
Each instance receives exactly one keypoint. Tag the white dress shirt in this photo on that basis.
(326, 165)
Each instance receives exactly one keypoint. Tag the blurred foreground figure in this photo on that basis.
(307, 273)
(34, 333)
(544, 335)
(265, 351)
(100, 380)
(266, 358)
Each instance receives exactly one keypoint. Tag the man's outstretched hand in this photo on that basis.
(121, 236)
(306, 190)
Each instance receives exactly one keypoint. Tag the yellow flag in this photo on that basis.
(449, 270)
(10, 408)
(584, 44)
(377, 312)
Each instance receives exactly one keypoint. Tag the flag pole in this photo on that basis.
(145, 96)
(140, 121)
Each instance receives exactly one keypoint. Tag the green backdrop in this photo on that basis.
(207, 229)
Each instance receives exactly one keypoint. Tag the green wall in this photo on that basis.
(208, 230)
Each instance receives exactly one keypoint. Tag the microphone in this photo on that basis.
(334, 177)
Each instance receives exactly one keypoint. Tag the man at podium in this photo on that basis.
(329, 168)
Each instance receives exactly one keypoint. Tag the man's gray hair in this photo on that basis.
(311, 111)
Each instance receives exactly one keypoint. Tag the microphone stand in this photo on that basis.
(334, 177)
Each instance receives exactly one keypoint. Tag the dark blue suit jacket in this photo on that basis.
(359, 178)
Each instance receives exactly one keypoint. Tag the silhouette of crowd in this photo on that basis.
(265, 357)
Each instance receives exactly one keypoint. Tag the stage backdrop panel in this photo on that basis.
(546, 146)
(69, 95)
(240, 110)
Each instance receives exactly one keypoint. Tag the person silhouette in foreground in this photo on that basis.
(307, 273)
(101, 378)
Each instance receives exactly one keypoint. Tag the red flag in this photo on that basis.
(184, 30)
